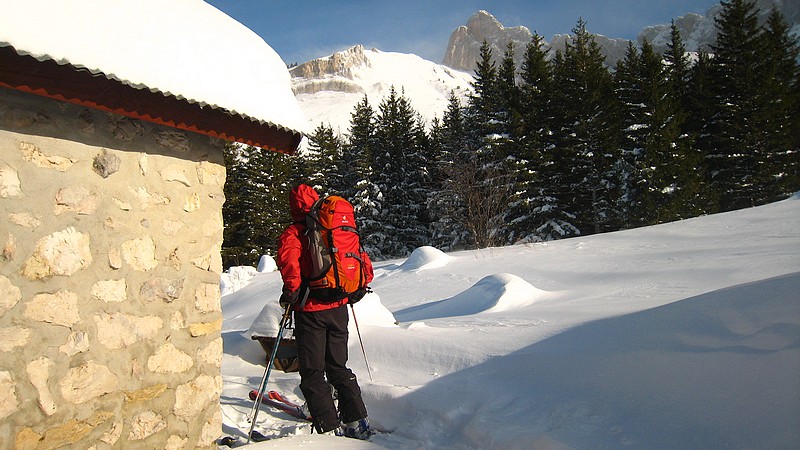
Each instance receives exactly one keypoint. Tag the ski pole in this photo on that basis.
(363, 352)
(267, 370)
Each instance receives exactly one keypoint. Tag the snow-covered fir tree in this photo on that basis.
(584, 149)
(736, 153)
(323, 160)
(448, 209)
(256, 208)
(399, 171)
(528, 207)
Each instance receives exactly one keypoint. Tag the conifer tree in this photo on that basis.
(234, 210)
(628, 85)
(535, 96)
(780, 121)
(507, 149)
(361, 140)
(399, 174)
(698, 126)
(358, 177)
(483, 103)
(509, 105)
(666, 147)
(484, 181)
(322, 159)
(735, 151)
(449, 227)
(585, 142)
(685, 167)
(256, 191)
(678, 69)
(529, 201)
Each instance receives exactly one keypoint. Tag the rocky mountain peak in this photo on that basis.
(697, 32)
(463, 50)
(339, 64)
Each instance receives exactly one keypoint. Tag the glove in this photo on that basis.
(288, 298)
(356, 296)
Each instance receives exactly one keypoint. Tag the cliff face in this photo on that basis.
(698, 33)
(340, 64)
(463, 49)
(333, 73)
(328, 89)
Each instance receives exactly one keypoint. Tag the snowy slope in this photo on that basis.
(683, 335)
(330, 97)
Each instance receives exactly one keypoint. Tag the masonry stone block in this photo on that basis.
(192, 398)
(119, 330)
(59, 308)
(9, 182)
(140, 253)
(145, 424)
(34, 155)
(11, 295)
(8, 395)
(87, 381)
(110, 291)
(39, 374)
(61, 253)
(168, 359)
(106, 164)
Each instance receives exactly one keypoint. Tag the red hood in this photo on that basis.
(301, 198)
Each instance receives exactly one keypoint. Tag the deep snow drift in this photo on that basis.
(683, 335)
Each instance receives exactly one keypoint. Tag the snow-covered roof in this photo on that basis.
(182, 48)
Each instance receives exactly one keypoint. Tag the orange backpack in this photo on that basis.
(337, 258)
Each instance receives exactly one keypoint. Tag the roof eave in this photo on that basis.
(68, 83)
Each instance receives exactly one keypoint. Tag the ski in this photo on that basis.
(275, 395)
(291, 408)
(278, 401)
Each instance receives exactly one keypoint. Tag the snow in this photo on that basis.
(425, 84)
(267, 264)
(683, 335)
(185, 48)
(426, 257)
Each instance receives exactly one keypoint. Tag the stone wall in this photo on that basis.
(110, 319)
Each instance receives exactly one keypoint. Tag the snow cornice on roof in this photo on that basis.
(181, 63)
(79, 86)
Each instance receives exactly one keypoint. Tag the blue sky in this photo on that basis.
(300, 30)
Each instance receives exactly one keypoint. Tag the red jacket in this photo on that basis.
(292, 261)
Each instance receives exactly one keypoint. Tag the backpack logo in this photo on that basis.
(337, 258)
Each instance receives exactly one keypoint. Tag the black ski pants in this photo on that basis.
(322, 352)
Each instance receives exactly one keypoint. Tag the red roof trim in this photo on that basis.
(70, 84)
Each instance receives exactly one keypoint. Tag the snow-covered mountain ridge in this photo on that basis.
(329, 88)
(697, 31)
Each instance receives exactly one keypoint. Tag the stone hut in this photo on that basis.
(113, 117)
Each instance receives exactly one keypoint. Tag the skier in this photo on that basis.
(320, 330)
